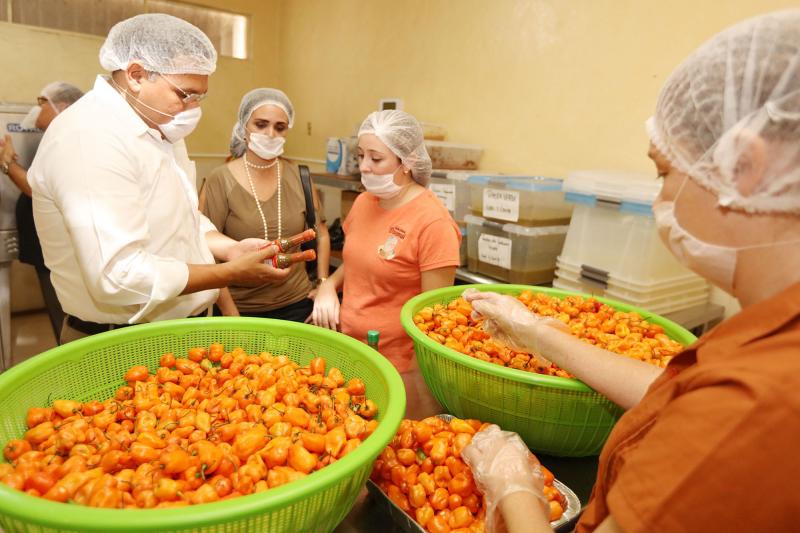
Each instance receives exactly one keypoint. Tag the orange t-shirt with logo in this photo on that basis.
(385, 254)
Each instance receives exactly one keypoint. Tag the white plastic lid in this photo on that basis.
(448, 144)
(456, 175)
(520, 183)
(516, 229)
(474, 220)
(614, 185)
(535, 231)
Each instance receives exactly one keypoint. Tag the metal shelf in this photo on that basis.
(463, 274)
(346, 183)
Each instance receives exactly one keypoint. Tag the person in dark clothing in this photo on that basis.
(54, 98)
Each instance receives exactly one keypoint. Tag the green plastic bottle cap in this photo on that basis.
(373, 336)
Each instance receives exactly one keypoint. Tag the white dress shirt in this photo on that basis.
(115, 207)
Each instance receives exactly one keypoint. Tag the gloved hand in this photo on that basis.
(508, 321)
(502, 465)
(326, 307)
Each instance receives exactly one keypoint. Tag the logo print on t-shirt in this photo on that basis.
(386, 250)
(396, 234)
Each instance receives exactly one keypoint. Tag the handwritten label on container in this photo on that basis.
(501, 204)
(446, 194)
(495, 251)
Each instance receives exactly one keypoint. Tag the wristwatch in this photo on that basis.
(4, 167)
(320, 281)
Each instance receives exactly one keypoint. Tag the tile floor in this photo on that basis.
(31, 334)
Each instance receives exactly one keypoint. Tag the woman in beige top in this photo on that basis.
(228, 198)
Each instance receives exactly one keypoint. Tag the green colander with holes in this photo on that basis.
(553, 415)
(92, 368)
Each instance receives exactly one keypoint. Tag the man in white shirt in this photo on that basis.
(114, 194)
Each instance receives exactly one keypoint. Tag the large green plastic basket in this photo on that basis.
(553, 415)
(93, 368)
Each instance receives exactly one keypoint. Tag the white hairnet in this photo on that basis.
(402, 134)
(741, 85)
(61, 94)
(161, 43)
(252, 101)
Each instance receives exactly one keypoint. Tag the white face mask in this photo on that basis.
(266, 147)
(181, 124)
(715, 263)
(176, 129)
(381, 185)
(29, 122)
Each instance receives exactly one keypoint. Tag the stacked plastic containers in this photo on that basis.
(452, 189)
(613, 248)
(516, 227)
(455, 162)
(454, 156)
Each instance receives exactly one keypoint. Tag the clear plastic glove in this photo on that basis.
(326, 307)
(502, 465)
(508, 321)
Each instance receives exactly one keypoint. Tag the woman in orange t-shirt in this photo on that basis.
(400, 241)
(709, 443)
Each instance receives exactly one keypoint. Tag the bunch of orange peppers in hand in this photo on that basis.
(592, 321)
(422, 472)
(211, 426)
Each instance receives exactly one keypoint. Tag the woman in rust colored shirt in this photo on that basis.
(708, 444)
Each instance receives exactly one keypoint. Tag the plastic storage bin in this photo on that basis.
(433, 132)
(627, 289)
(613, 234)
(513, 253)
(657, 298)
(523, 200)
(462, 251)
(452, 189)
(454, 156)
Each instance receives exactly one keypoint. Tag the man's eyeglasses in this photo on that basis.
(186, 98)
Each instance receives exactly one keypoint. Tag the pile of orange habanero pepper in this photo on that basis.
(423, 473)
(588, 319)
(211, 426)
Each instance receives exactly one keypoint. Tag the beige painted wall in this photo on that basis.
(33, 57)
(546, 86)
